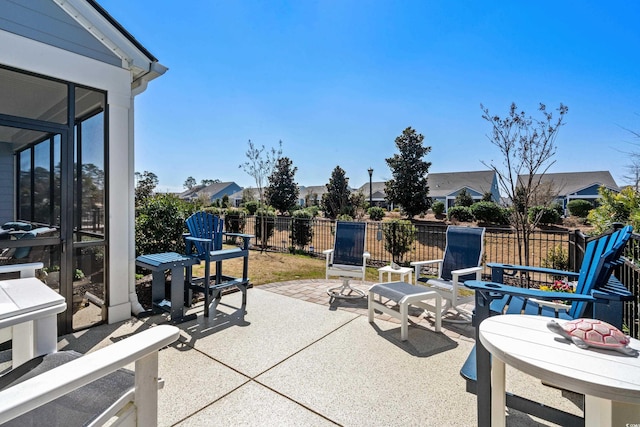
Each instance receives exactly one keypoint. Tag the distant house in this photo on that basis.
(444, 187)
(312, 195)
(236, 198)
(378, 196)
(212, 192)
(569, 186)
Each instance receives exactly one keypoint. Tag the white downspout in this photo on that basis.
(138, 86)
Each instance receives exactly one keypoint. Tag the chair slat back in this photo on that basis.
(349, 244)
(464, 249)
(597, 265)
(206, 226)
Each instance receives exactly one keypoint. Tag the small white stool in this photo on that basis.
(404, 294)
(402, 271)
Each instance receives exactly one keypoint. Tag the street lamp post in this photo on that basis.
(370, 170)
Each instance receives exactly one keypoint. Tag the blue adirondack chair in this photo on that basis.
(595, 286)
(204, 242)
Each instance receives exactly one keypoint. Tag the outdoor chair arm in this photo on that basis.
(496, 290)
(465, 271)
(141, 348)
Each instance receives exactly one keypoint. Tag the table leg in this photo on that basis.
(388, 276)
(177, 293)
(597, 411)
(34, 338)
(380, 277)
(498, 393)
(157, 286)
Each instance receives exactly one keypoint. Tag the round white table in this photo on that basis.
(609, 380)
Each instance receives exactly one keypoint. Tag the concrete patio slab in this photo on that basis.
(192, 382)
(255, 405)
(274, 328)
(365, 376)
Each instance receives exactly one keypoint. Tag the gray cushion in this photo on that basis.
(77, 408)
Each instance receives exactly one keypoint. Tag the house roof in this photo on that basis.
(210, 190)
(377, 188)
(570, 182)
(444, 184)
(135, 57)
(319, 190)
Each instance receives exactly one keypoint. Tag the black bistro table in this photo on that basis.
(158, 264)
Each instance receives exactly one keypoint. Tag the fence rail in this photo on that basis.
(500, 243)
(500, 246)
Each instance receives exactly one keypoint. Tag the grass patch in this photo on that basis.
(269, 267)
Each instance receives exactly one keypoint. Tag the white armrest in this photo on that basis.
(25, 270)
(366, 255)
(421, 263)
(59, 381)
(465, 271)
(327, 252)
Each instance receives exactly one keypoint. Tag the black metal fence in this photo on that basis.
(500, 243)
(500, 246)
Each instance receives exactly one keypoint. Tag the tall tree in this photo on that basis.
(282, 192)
(189, 183)
(408, 187)
(206, 182)
(336, 201)
(146, 182)
(260, 165)
(527, 146)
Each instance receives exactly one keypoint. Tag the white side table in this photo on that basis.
(30, 308)
(609, 381)
(402, 271)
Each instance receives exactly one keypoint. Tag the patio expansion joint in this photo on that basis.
(255, 379)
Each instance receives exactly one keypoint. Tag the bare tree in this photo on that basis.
(259, 165)
(527, 146)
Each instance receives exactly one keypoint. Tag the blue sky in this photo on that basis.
(337, 81)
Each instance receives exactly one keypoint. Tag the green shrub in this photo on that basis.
(557, 258)
(437, 208)
(399, 236)
(463, 199)
(344, 217)
(488, 212)
(234, 222)
(460, 213)
(301, 228)
(376, 213)
(313, 210)
(621, 207)
(269, 225)
(252, 206)
(159, 224)
(558, 208)
(212, 210)
(547, 215)
(579, 208)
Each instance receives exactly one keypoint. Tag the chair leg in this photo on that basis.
(345, 291)
(404, 321)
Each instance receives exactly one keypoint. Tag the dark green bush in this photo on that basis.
(547, 215)
(463, 199)
(557, 258)
(269, 225)
(301, 228)
(234, 222)
(399, 236)
(159, 224)
(252, 207)
(212, 210)
(313, 210)
(437, 208)
(376, 213)
(579, 208)
(487, 212)
(460, 213)
(344, 217)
